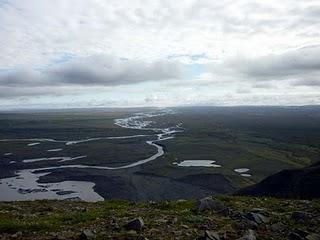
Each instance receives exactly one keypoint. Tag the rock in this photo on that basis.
(313, 236)
(246, 224)
(294, 236)
(211, 235)
(298, 234)
(209, 204)
(278, 227)
(184, 226)
(299, 216)
(261, 211)
(251, 224)
(17, 235)
(177, 233)
(258, 210)
(257, 217)
(132, 233)
(172, 220)
(249, 235)
(87, 234)
(135, 224)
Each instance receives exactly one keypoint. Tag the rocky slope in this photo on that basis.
(223, 217)
(295, 183)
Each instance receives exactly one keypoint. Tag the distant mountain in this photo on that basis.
(301, 183)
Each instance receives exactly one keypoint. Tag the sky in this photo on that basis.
(136, 53)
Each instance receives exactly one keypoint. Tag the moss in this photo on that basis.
(163, 220)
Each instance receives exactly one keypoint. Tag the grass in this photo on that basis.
(35, 219)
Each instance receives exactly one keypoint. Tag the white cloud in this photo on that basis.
(49, 45)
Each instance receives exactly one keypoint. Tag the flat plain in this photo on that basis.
(263, 140)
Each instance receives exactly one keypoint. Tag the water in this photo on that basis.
(245, 175)
(197, 163)
(55, 150)
(33, 144)
(25, 186)
(242, 170)
(59, 159)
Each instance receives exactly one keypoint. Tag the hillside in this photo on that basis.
(225, 217)
(293, 183)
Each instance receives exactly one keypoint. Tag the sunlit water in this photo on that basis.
(243, 172)
(26, 187)
(197, 163)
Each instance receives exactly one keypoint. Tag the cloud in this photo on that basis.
(300, 66)
(92, 71)
(128, 50)
(282, 66)
(310, 82)
(263, 85)
(105, 71)
(17, 92)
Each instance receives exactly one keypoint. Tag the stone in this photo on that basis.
(211, 235)
(294, 236)
(258, 210)
(173, 220)
(257, 217)
(299, 216)
(278, 227)
(177, 233)
(17, 235)
(209, 204)
(87, 234)
(135, 224)
(249, 235)
(184, 226)
(251, 224)
(313, 236)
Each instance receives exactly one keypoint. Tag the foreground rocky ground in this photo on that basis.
(223, 217)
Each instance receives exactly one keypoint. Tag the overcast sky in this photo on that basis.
(117, 53)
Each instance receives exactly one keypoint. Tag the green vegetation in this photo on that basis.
(264, 139)
(163, 220)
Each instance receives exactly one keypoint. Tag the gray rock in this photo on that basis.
(313, 236)
(87, 234)
(258, 210)
(294, 236)
(17, 235)
(257, 217)
(299, 216)
(278, 227)
(211, 235)
(251, 224)
(246, 224)
(135, 224)
(249, 235)
(209, 204)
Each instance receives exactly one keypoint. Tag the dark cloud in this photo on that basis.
(22, 78)
(263, 86)
(312, 82)
(16, 92)
(93, 71)
(296, 64)
(113, 72)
